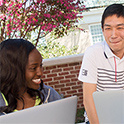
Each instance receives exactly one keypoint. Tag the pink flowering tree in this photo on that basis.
(18, 18)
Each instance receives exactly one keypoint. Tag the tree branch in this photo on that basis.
(37, 40)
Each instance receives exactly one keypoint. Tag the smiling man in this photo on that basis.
(103, 63)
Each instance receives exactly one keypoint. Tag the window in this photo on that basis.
(95, 3)
(96, 33)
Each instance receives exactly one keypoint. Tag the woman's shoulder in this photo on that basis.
(2, 101)
(46, 88)
(51, 93)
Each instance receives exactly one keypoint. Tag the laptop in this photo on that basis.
(110, 106)
(58, 112)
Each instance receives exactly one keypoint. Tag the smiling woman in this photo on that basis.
(21, 84)
(34, 69)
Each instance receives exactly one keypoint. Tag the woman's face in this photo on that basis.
(34, 70)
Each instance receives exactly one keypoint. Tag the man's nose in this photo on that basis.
(114, 33)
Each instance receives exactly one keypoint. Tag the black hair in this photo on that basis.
(113, 9)
(14, 55)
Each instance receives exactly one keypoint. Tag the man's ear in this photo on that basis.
(102, 28)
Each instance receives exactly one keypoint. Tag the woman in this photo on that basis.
(21, 71)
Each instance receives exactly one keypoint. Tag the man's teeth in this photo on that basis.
(36, 80)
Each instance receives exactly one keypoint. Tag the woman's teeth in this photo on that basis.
(36, 80)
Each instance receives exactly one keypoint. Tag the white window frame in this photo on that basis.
(91, 36)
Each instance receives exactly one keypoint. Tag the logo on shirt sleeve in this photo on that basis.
(84, 72)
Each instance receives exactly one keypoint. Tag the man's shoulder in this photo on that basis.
(95, 49)
(96, 46)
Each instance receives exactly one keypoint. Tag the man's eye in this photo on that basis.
(107, 28)
(120, 28)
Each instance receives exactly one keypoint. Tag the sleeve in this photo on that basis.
(88, 70)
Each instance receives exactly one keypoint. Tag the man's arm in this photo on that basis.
(88, 90)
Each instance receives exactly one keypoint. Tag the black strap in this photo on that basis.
(87, 122)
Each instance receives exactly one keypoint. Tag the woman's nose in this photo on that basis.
(40, 71)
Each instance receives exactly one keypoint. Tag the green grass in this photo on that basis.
(79, 115)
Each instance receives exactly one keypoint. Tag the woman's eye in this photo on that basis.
(41, 65)
(33, 68)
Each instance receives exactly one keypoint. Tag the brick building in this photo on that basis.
(61, 73)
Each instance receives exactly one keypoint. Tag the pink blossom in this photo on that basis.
(43, 27)
(60, 12)
(53, 16)
(17, 14)
(2, 16)
(11, 14)
(54, 26)
(43, 1)
(1, 2)
(11, 4)
(13, 28)
(40, 13)
(47, 15)
(8, 25)
(8, 33)
(9, 9)
(23, 23)
(20, 27)
(29, 22)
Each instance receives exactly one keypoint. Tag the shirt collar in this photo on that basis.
(108, 51)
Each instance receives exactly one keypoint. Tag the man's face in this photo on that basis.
(34, 70)
(113, 31)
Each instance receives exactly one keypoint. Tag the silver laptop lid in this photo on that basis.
(58, 112)
(110, 106)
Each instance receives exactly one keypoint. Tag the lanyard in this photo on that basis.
(112, 67)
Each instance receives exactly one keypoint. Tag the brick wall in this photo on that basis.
(61, 73)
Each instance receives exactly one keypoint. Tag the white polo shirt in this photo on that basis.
(100, 66)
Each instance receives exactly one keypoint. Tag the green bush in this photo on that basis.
(80, 115)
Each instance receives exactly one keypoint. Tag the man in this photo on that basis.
(103, 63)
